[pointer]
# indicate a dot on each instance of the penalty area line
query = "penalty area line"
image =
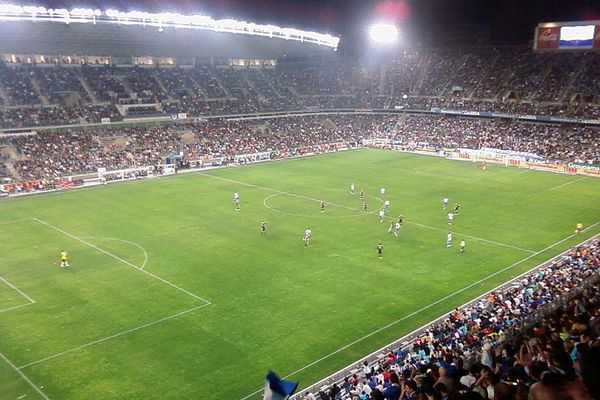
(116, 335)
(122, 260)
(25, 378)
(568, 183)
(378, 330)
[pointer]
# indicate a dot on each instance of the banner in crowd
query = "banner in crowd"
(526, 117)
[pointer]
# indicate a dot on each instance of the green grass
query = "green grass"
(274, 304)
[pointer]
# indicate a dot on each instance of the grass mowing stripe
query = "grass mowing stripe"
(424, 308)
(37, 389)
(568, 183)
(122, 260)
(137, 328)
(356, 209)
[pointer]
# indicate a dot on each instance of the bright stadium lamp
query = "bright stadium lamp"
(383, 33)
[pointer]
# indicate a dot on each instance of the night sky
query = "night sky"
(508, 22)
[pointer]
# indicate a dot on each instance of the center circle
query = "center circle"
(306, 204)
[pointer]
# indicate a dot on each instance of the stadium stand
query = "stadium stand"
(496, 80)
(537, 337)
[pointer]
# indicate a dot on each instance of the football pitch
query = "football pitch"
(173, 294)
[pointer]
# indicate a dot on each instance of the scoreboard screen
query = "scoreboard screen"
(567, 35)
(577, 36)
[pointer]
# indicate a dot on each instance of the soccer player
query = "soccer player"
(484, 165)
(381, 215)
(450, 218)
(263, 227)
(352, 188)
(386, 205)
(445, 202)
(322, 206)
(462, 246)
(364, 206)
(380, 250)
(64, 259)
(449, 240)
(382, 191)
(456, 208)
(362, 194)
(236, 201)
(401, 219)
(397, 227)
(391, 228)
(307, 235)
(579, 228)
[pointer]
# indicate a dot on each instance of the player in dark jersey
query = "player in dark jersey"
(401, 219)
(365, 206)
(362, 194)
(380, 250)
(456, 208)
(322, 206)
(263, 227)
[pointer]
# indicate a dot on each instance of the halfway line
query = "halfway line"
(370, 212)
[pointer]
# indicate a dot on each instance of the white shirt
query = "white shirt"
(307, 233)
(397, 226)
(382, 190)
(386, 203)
(352, 187)
(450, 216)
(445, 200)
(449, 237)
(236, 195)
(381, 213)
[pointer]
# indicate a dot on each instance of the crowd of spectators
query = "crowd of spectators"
(68, 153)
(514, 80)
(59, 154)
(553, 142)
(43, 116)
(508, 345)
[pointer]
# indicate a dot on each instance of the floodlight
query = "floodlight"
(383, 33)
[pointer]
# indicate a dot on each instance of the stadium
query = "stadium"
(312, 200)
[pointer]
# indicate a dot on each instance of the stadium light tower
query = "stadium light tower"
(383, 33)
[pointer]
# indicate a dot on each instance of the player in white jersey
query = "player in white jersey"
(236, 200)
(382, 191)
(352, 188)
(397, 228)
(386, 205)
(381, 215)
(450, 218)
(445, 203)
(307, 235)
(449, 240)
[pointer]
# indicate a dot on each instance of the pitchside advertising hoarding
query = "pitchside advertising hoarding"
(583, 35)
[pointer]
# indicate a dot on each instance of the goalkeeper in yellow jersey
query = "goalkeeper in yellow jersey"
(64, 259)
(578, 228)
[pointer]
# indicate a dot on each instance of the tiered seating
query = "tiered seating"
(56, 82)
(144, 85)
(104, 84)
(202, 75)
(17, 85)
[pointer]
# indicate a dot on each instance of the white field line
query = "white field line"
(15, 307)
(421, 310)
(37, 389)
(124, 241)
(137, 328)
(31, 301)
(122, 260)
(356, 209)
(568, 183)
(14, 221)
